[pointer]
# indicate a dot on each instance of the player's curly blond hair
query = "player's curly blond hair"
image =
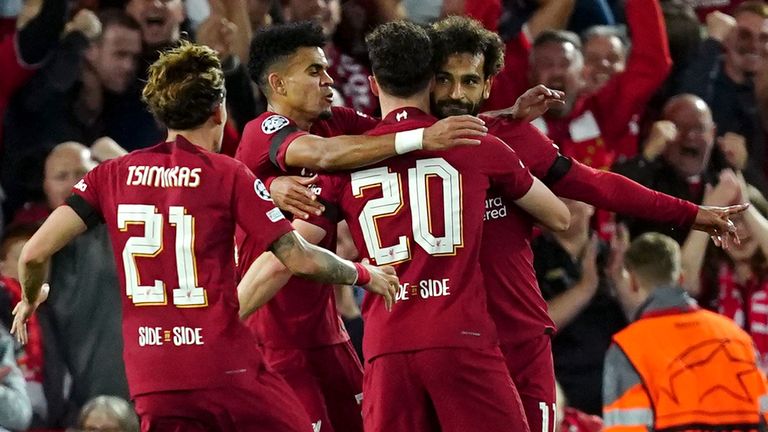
(184, 86)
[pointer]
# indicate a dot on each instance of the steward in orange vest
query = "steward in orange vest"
(677, 367)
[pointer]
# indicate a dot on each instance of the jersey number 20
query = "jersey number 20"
(391, 203)
(187, 294)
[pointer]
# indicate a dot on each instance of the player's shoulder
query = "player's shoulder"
(503, 127)
(266, 125)
(384, 128)
(349, 112)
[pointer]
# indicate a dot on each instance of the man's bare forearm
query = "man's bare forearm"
(339, 153)
(311, 262)
(32, 276)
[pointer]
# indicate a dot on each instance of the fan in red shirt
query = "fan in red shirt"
(467, 59)
(432, 363)
(595, 128)
(299, 329)
(171, 211)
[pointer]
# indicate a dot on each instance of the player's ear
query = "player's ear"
(374, 85)
(276, 84)
(487, 87)
(219, 114)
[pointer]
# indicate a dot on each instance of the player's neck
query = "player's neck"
(391, 103)
(297, 116)
(200, 137)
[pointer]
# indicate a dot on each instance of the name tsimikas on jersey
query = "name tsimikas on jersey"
(163, 177)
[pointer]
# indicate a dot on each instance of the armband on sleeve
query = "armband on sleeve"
(557, 170)
(87, 213)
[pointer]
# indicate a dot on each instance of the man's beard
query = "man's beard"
(449, 108)
(325, 115)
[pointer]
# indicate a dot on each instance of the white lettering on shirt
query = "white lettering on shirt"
(178, 336)
(81, 185)
(424, 289)
(163, 177)
(495, 208)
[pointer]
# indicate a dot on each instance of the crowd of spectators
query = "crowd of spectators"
(670, 93)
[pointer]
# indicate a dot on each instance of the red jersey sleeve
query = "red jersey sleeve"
(505, 169)
(254, 210)
(88, 187)
(267, 139)
(86, 199)
(614, 192)
(350, 122)
(328, 190)
(344, 121)
(535, 149)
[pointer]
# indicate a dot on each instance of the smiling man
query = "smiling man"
(160, 21)
(722, 75)
(679, 164)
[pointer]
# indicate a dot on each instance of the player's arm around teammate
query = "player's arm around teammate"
(543, 205)
(353, 151)
(299, 256)
(268, 274)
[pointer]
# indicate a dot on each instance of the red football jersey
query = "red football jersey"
(516, 305)
(171, 212)
(303, 314)
(423, 212)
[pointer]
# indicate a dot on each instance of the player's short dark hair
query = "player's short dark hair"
(184, 86)
(116, 17)
(655, 258)
(557, 36)
(401, 57)
(459, 34)
(274, 44)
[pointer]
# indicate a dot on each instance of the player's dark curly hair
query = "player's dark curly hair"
(459, 34)
(401, 57)
(273, 44)
(184, 86)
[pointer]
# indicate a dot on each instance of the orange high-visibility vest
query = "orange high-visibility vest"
(698, 372)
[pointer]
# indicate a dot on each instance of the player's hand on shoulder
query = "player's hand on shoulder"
(532, 104)
(454, 131)
(292, 194)
(384, 282)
